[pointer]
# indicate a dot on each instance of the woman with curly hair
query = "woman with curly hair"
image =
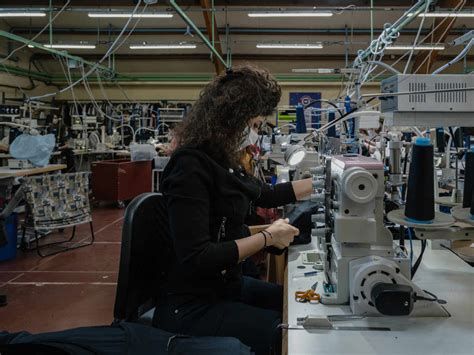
(208, 196)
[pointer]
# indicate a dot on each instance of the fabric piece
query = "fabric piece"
(36, 149)
(58, 200)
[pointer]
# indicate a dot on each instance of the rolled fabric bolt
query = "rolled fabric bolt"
(420, 206)
(468, 179)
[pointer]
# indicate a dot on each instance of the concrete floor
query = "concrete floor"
(67, 290)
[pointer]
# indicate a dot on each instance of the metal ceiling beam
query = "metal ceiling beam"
(212, 32)
(201, 35)
(249, 56)
(288, 3)
(424, 62)
(257, 31)
(63, 54)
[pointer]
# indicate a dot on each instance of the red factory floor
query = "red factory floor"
(67, 290)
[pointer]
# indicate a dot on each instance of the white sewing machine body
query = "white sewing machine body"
(362, 253)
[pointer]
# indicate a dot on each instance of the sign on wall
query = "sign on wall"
(312, 114)
(304, 98)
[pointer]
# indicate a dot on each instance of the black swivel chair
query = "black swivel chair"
(145, 255)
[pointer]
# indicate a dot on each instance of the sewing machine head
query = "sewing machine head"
(358, 190)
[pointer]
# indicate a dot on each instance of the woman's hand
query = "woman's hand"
(282, 233)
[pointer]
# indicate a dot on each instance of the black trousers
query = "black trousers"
(253, 320)
(121, 339)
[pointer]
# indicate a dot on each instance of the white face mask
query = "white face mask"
(250, 138)
(253, 136)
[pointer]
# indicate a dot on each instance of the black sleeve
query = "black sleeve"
(275, 196)
(187, 186)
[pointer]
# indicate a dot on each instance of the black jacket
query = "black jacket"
(207, 205)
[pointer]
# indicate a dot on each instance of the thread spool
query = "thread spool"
(468, 180)
(420, 194)
(440, 140)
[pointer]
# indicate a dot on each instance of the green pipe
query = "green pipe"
(25, 73)
(130, 78)
(64, 54)
(201, 35)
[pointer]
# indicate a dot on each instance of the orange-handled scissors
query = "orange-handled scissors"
(308, 295)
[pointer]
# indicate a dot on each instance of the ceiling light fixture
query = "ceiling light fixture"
(67, 46)
(417, 48)
(22, 14)
(447, 14)
(163, 46)
(290, 45)
(291, 14)
(128, 15)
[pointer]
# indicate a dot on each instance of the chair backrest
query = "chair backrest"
(145, 255)
(58, 200)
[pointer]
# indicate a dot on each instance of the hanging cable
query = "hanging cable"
(110, 51)
(415, 42)
(38, 34)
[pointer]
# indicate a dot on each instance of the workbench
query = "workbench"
(441, 272)
(6, 172)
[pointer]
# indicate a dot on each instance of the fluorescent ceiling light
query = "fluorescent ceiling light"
(447, 14)
(417, 48)
(128, 15)
(290, 45)
(163, 46)
(291, 14)
(67, 46)
(22, 14)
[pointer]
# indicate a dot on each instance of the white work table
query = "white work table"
(441, 273)
(7, 172)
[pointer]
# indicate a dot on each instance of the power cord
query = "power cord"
(418, 261)
(433, 299)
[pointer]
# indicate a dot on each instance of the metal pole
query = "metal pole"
(346, 44)
(371, 20)
(50, 22)
(213, 20)
(201, 35)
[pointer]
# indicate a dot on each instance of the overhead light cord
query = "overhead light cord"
(110, 51)
(38, 34)
(457, 8)
(349, 88)
(3, 60)
(416, 38)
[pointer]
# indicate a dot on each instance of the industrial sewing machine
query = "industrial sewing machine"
(361, 262)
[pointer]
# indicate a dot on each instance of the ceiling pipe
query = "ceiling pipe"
(63, 54)
(235, 30)
(201, 35)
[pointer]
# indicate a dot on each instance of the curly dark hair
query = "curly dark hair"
(224, 109)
